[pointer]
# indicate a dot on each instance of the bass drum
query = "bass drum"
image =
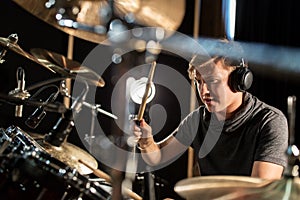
(28, 172)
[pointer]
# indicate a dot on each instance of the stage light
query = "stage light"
(137, 90)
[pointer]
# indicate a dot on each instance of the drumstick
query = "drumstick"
(97, 172)
(148, 86)
(107, 178)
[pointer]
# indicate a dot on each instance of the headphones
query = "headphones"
(241, 78)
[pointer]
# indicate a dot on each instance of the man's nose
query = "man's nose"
(204, 89)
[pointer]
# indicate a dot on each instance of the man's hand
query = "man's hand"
(143, 134)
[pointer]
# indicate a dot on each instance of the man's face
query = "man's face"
(212, 85)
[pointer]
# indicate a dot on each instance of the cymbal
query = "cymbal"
(154, 13)
(211, 187)
(9, 45)
(90, 22)
(286, 188)
(67, 67)
(70, 155)
(88, 19)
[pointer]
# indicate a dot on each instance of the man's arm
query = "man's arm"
(266, 170)
(271, 152)
(154, 153)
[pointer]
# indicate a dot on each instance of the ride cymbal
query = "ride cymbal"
(67, 67)
(212, 187)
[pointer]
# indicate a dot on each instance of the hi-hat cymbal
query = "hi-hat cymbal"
(67, 67)
(8, 45)
(212, 187)
(70, 155)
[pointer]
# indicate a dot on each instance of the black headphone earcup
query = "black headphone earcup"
(240, 79)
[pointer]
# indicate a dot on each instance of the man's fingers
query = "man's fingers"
(136, 128)
(137, 133)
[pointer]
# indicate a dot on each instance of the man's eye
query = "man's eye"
(212, 81)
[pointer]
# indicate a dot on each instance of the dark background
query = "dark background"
(271, 22)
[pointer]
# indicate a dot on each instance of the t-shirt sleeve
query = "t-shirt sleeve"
(273, 141)
(188, 128)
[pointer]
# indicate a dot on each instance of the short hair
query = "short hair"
(230, 53)
(226, 62)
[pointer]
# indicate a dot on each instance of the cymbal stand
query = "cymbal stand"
(96, 107)
(292, 150)
(65, 124)
(91, 137)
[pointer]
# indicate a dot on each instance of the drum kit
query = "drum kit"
(33, 166)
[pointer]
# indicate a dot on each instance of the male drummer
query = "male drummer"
(233, 133)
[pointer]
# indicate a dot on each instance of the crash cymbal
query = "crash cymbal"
(67, 67)
(86, 22)
(153, 13)
(212, 187)
(70, 155)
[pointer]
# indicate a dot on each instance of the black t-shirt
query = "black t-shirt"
(256, 132)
